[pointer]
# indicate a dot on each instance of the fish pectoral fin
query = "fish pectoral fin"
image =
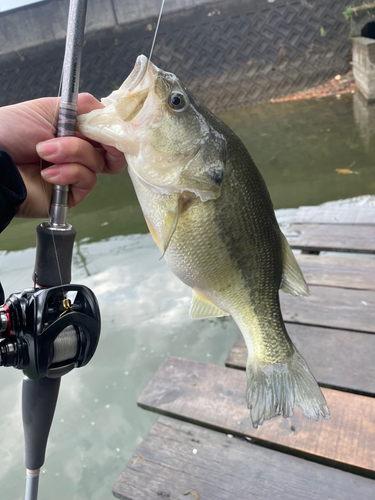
(201, 307)
(170, 223)
(169, 226)
(153, 234)
(292, 280)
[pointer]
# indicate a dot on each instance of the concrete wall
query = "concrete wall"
(230, 53)
(364, 66)
(360, 17)
(45, 22)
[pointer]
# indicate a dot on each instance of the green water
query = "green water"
(97, 426)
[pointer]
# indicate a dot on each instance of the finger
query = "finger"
(38, 193)
(114, 159)
(71, 150)
(86, 103)
(96, 144)
(47, 107)
(80, 179)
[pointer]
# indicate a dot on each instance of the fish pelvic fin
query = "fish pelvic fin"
(202, 307)
(278, 388)
(292, 280)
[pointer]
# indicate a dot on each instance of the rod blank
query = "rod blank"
(69, 95)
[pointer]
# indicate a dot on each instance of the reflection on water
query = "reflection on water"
(97, 424)
(298, 147)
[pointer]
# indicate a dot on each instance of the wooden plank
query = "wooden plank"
(332, 307)
(335, 215)
(344, 272)
(337, 358)
(332, 237)
(214, 396)
(165, 467)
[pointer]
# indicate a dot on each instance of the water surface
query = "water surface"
(297, 146)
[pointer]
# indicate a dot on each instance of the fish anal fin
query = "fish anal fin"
(292, 280)
(202, 307)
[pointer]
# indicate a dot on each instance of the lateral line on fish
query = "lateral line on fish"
(156, 32)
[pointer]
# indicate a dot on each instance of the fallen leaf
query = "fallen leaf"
(193, 493)
(140, 457)
(333, 87)
(346, 171)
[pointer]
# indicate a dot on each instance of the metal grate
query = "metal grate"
(233, 55)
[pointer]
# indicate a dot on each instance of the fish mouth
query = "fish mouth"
(111, 125)
(131, 96)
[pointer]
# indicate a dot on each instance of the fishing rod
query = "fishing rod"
(53, 327)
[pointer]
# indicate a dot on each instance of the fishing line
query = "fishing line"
(156, 31)
(54, 120)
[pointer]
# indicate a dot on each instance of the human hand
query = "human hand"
(27, 133)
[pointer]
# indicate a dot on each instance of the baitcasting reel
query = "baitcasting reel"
(46, 332)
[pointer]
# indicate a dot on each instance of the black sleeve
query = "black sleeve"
(12, 189)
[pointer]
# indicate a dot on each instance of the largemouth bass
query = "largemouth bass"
(209, 212)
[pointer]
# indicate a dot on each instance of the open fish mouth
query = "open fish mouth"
(130, 97)
(140, 69)
(113, 125)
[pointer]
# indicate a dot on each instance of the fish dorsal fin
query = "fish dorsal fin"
(201, 307)
(292, 280)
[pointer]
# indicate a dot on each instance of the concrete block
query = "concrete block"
(364, 66)
(364, 117)
(361, 16)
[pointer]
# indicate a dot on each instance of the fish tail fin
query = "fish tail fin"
(278, 388)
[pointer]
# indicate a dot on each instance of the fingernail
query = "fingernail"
(50, 172)
(47, 148)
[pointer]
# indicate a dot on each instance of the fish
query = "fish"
(208, 210)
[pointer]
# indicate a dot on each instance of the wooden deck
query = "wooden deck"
(204, 446)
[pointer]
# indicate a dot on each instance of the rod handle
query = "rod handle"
(39, 399)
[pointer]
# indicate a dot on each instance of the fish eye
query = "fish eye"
(178, 101)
